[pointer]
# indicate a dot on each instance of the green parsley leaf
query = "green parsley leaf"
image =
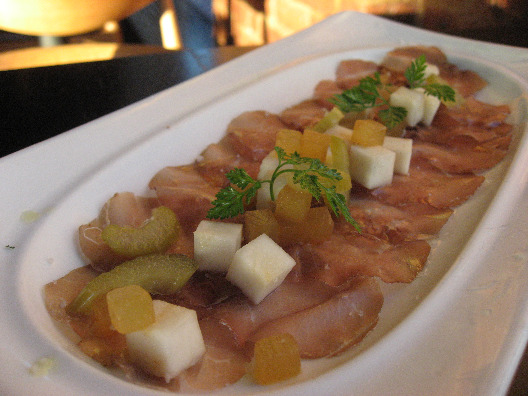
(367, 94)
(441, 91)
(415, 73)
(306, 171)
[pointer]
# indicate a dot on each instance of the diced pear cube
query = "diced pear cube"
(215, 244)
(267, 167)
(341, 132)
(412, 100)
(431, 70)
(170, 345)
(259, 267)
(371, 166)
(431, 105)
(403, 149)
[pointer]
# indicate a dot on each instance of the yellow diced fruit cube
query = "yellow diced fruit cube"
(292, 204)
(314, 144)
(258, 222)
(338, 158)
(276, 358)
(316, 227)
(130, 308)
(368, 133)
(289, 140)
(342, 186)
(100, 325)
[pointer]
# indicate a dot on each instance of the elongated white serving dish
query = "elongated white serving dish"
(460, 327)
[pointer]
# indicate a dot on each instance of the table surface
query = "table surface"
(39, 103)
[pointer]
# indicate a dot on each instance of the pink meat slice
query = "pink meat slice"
(252, 134)
(186, 192)
(124, 209)
(223, 363)
(343, 256)
(457, 160)
(473, 112)
(401, 58)
(325, 90)
(465, 82)
(303, 115)
(243, 318)
(330, 328)
(59, 293)
(425, 184)
(350, 71)
(218, 159)
(394, 223)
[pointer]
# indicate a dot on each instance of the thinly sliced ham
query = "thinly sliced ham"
(59, 293)
(457, 160)
(218, 159)
(343, 256)
(252, 134)
(223, 363)
(303, 115)
(394, 223)
(186, 192)
(425, 184)
(243, 317)
(401, 58)
(349, 72)
(325, 90)
(124, 209)
(330, 328)
(465, 82)
(473, 112)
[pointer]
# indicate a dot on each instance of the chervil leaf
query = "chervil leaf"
(392, 116)
(416, 72)
(442, 92)
(307, 172)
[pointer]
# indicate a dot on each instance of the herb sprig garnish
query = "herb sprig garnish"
(415, 75)
(305, 171)
(369, 94)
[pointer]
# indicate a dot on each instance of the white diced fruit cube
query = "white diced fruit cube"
(170, 345)
(431, 105)
(431, 70)
(267, 167)
(371, 166)
(403, 149)
(215, 244)
(341, 132)
(259, 267)
(412, 101)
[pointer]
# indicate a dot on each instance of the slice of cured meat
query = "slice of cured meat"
(303, 115)
(401, 58)
(341, 257)
(186, 192)
(425, 184)
(457, 160)
(124, 209)
(330, 328)
(325, 90)
(252, 134)
(349, 72)
(243, 317)
(395, 224)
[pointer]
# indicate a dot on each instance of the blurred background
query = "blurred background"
(212, 23)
